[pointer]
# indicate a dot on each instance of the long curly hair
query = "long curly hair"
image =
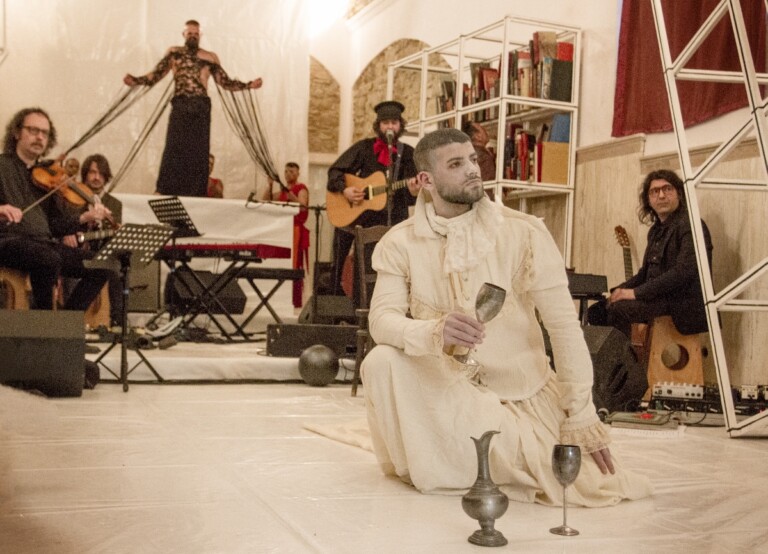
(13, 130)
(645, 213)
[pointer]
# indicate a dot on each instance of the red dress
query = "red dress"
(300, 241)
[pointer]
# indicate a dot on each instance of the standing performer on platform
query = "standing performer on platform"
(423, 404)
(184, 168)
(363, 159)
(28, 240)
(293, 191)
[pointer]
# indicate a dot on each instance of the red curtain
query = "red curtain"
(641, 104)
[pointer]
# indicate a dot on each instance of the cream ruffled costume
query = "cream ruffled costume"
(423, 408)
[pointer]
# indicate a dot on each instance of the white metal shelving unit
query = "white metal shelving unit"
(493, 43)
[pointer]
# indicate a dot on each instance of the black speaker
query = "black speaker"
(288, 340)
(43, 350)
(180, 297)
(328, 309)
(620, 380)
(144, 281)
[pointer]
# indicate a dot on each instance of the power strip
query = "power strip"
(678, 390)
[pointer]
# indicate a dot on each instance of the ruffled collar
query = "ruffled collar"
(470, 237)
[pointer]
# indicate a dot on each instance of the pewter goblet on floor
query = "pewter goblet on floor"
(488, 304)
(566, 462)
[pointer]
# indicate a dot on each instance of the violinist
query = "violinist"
(31, 225)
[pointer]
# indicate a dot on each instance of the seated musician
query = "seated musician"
(293, 191)
(96, 174)
(31, 225)
(215, 186)
(668, 281)
(364, 158)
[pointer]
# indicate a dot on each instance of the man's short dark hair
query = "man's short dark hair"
(645, 213)
(101, 163)
(17, 122)
(192, 22)
(422, 155)
(292, 164)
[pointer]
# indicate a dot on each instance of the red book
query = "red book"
(565, 51)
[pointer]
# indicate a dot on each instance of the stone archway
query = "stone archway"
(324, 109)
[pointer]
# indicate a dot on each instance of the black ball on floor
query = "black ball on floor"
(318, 365)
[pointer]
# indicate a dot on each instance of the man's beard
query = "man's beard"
(464, 196)
(192, 43)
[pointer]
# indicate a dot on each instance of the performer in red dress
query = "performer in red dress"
(294, 191)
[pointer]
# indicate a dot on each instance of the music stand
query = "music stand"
(132, 242)
(172, 212)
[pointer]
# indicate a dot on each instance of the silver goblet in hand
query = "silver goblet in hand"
(566, 462)
(488, 304)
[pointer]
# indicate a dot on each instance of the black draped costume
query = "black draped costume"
(184, 167)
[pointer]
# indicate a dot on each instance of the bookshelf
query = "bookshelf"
(519, 79)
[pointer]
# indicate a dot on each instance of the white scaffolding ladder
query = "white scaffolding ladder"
(697, 179)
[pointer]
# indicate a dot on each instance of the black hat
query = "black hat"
(389, 109)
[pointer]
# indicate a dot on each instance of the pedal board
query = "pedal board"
(678, 390)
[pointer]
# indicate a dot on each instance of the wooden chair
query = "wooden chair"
(364, 240)
(15, 288)
(673, 357)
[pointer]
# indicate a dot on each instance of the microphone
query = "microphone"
(390, 137)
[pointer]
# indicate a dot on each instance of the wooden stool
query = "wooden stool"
(672, 357)
(15, 288)
(98, 312)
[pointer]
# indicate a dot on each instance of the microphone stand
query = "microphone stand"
(315, 275)
(390, 178)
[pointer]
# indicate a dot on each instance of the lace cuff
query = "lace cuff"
(591, 438)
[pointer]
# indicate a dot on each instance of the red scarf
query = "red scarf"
(381, 150)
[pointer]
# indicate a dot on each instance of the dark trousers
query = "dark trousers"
(45, 262)
(624, 313)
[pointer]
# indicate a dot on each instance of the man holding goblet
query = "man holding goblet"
(423, 403)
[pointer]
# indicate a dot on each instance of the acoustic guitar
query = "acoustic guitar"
(639, 330)
(342, 213)
(623, 239)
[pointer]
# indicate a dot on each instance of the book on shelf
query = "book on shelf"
(547, 44)
(561, 80)
(564, 51)
(553, 162)
(560, 128)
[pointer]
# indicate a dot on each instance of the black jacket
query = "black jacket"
(669, 272)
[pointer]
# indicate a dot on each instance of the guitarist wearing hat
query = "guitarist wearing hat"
(357, 183)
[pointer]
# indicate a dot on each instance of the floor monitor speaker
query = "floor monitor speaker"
(43, 350)
(144, 282)
(328, 309)
(620, 380)
(181, 297)
(288, 340)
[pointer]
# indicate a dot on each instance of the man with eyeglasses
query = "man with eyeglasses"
(28, 231)
(668, 281)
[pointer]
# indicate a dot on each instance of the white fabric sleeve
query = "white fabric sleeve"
(388, 321)
(549, 290)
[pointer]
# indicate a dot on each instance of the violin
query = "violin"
(51, 176)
